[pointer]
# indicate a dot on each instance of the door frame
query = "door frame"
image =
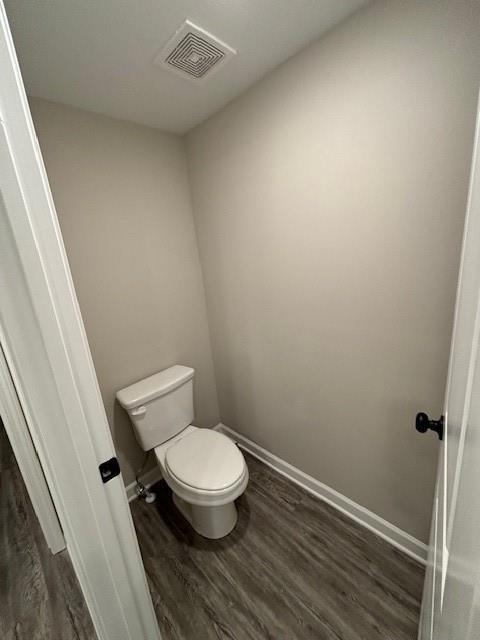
(21, 442)
(45, 346)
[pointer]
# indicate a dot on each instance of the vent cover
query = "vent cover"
(193, 53)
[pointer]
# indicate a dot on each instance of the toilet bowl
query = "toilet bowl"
(206, 472)
(204, 469)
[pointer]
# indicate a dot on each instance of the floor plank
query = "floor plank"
(40, 598)
(294, 568)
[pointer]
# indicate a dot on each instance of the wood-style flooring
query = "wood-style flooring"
(294, 568)
(40, 598)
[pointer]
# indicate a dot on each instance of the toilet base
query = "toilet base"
(210, 522)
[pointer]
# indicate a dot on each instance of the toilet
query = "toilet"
(204, 469)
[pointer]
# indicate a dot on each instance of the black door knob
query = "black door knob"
(423, 424)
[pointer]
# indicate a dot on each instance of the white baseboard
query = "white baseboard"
(389, 532)
(148, 478)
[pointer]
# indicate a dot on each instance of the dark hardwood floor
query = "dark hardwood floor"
(294, 568)
(40, 598)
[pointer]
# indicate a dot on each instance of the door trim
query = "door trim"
(27, 459)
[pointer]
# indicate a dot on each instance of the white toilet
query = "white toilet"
(204, 469)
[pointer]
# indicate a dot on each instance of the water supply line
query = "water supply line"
(140, 489)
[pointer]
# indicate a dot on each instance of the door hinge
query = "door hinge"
(109, 469)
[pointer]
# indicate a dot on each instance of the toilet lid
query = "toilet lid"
(205, 459)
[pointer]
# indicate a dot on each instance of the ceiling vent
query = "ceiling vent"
(193, 53)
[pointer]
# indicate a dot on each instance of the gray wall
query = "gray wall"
(329, 205)
(122, 197)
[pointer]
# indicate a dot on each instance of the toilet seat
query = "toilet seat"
(233, 486)
(205, 460)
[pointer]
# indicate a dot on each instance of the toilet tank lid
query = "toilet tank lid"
(154, 386)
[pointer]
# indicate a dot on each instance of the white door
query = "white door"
(451, 603)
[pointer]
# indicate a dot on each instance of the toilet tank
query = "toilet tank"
(159, 406)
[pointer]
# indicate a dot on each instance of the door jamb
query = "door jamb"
(27, 459)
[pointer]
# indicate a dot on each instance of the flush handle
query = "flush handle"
(139, 411)
(423, 424)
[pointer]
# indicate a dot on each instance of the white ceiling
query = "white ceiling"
(98, 54)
